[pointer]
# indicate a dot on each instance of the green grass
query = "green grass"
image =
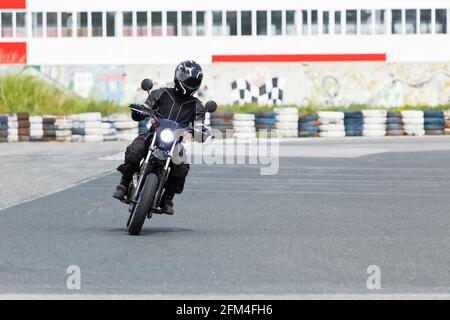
(20, 93)
(28, 94)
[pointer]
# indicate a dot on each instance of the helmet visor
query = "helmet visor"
(189, 81)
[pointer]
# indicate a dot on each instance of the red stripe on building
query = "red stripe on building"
(13, 53)
(301, 57)
(13, 4)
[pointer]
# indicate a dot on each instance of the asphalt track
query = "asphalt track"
(314, 228)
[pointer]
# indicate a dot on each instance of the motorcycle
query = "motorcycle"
(147, 186)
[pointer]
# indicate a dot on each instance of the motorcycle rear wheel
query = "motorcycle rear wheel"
(144, 204)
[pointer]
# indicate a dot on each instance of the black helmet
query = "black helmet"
(188, 77)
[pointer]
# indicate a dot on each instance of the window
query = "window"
(366, 21)
(52, 24)
(217, 23)
(325, 22)
(397, 22)
(337, 22)
(351, 17)
(66, 24)
(275, 25)
(425, 21)
(7, 25)
(380, 21)
(305, 22)
(261, 23)
(246, 23)
(110, 24)
(186, 23)
(201, 26)
(157, 24)
(314, 22)
(38, 31)
(441, 21)
(21, 24)
(141, 23)
(127, 24)
(97, 24)
(172, 23)
(291, 22)
(231, 23)
(82, 21)
(411, 21)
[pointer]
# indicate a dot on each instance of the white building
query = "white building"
(292, 41)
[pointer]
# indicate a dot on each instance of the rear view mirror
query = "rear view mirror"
(211, 106)
(147, 85)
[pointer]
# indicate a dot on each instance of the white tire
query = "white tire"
(286, 125)
(286, 111)
(415, 132)
(63, 133)
(13, 125)
(374, 133)
(332, 134)
(413, 127)
(120, 117)
(332, 121)
(36, 126)
(330, 115)
(126, 124)
(244, 129)
(93, 131)
(285, 133)
(244, 117)
(374, 127)
(93, 138)
(126, 136)
(110, 137)
(373, 120)
(89, 116)
(36, 133)
(412, 114)
(374, 113)
(413, 120)
(244, 135)
(332, 127)
(77, 138)
(243, 123)
(35, 119)
(13, 138)
(92, 124)
(286, 118)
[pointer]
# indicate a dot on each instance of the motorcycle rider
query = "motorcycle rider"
(179, 105)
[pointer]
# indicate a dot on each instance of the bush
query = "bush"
(28, 94)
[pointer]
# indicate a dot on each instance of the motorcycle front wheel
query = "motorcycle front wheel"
(144, 204)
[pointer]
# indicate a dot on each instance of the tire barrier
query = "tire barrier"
(286, 123)
(23, 121)
(264, 122)
(244, 126)
(221, 121)
(434, 123)
(87, 127)
(3, 128)
(413, 122)
(127, 129)
(447, 122)
(63, 128)
(36, 128)
(13, 128)
(394, 124)
(109, 131)
(331, 124)
(374, 123)
(353, 122)
(308, 125)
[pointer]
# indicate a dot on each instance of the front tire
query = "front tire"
(144, 204)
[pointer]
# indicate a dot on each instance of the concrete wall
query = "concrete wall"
(323, 84)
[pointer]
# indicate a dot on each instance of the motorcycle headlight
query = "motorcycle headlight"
(167, 136)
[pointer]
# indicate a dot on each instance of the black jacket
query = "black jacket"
(168, 103)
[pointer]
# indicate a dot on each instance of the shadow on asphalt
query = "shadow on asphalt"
(153, 231)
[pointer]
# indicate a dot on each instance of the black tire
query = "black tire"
(144, 205)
